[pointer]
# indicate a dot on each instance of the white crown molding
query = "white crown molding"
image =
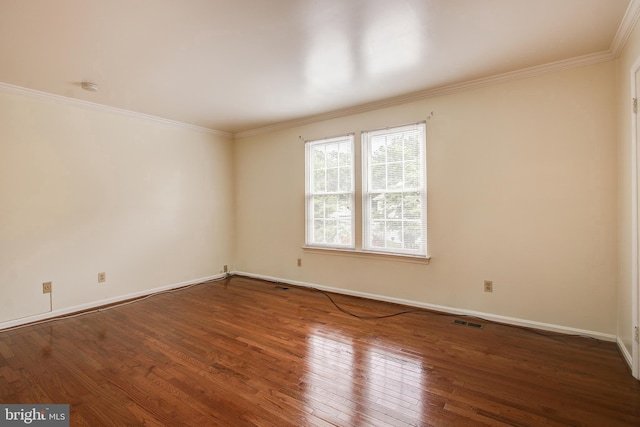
(626, 27)
(537, 70)
(627, 24)
(12, 89)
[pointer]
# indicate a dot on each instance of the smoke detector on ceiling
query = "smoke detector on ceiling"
(91, 87)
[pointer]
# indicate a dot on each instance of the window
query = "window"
(330, 192)
(393, 214)
(394, 196)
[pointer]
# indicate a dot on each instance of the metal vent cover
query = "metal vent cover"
(465, 323)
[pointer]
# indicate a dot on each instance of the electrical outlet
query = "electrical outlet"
(225, 269)
(299, 262)
(46, 287)
(488, 286)
(102, 277)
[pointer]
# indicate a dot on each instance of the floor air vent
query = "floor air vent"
(465, 323)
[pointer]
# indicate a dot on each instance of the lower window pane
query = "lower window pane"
(412, 235)
(318, 231)
(332, 220)
(377, 206)
(394, 205)
(331, 231)
(331, 204)
(344, 233)
(377, 234)
(344, 207)
(394, 234)
(411, 206)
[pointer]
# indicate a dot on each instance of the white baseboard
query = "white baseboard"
(108, 301)
(445, 309)
(625, 353)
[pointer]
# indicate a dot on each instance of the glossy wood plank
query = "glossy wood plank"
(245, 352)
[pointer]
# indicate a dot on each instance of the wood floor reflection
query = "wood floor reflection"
(248, 352)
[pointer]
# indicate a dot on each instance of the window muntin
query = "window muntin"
(394, 190)
(330, 192)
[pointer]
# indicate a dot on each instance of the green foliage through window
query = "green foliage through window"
(394, 190)
(330, 192)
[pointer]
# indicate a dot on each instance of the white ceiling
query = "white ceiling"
(238, 65)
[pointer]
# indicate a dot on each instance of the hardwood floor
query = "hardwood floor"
(247, 352)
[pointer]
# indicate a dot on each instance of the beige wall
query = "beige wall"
(84, 191)
(522, 191)
(624, 64)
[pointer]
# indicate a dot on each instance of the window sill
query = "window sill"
(366, 254)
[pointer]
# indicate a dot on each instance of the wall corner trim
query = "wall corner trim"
(625, 353)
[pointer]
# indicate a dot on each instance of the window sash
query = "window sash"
(394, 201)
(329, 207)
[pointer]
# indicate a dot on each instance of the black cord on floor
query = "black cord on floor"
(360, 316)
(555, 336)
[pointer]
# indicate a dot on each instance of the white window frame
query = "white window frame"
(421, 189)
(310, 195)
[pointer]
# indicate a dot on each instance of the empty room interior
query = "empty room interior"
(323, 213)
